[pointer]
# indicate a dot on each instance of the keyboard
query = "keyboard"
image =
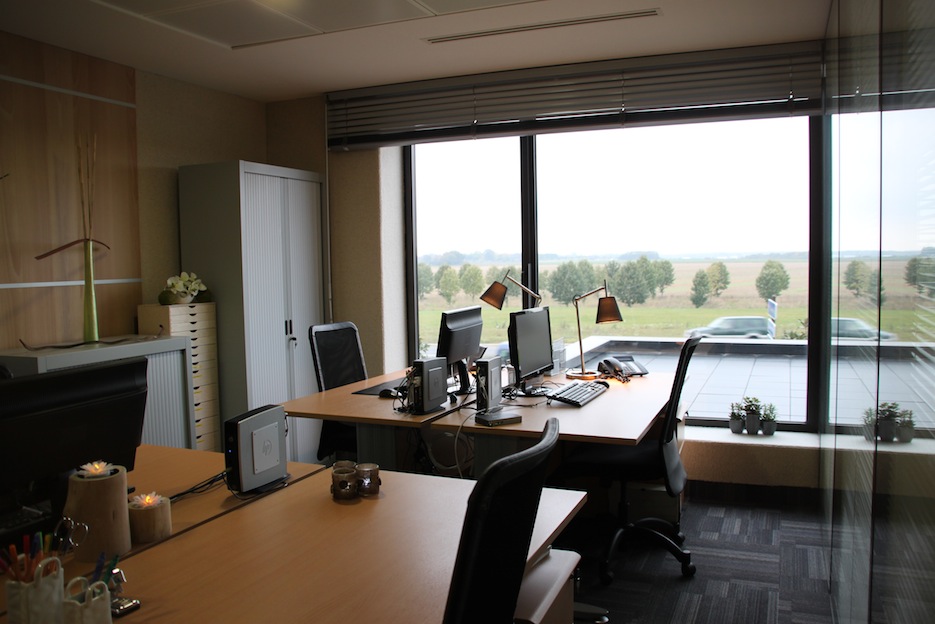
(578, 393)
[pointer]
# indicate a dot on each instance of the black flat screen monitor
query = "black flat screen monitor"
(530, 337)
(52, 423)
(459, 342)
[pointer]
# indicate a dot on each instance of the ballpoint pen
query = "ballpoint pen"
(98, 568)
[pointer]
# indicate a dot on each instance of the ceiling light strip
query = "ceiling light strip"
(509, 30)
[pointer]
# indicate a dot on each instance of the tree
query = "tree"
(448, 283)
(920, 272)
(665, 274)
(857, 278)
(701, 286)
(630, 284)
(772, 280)
(472, 280)
(718, 278)
(426, 281)
(645, 267)
(565, 283)
(875, 290)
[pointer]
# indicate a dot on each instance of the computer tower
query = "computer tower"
(428, 389)
(255, 449)
(489, 389)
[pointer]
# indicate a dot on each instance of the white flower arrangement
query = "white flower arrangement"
(144, 501)
(185, 284)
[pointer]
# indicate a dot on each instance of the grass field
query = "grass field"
(671, 314)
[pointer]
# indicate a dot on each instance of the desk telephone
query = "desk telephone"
(621, 366)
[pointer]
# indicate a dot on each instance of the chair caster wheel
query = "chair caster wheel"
(688, 570)
(679, 538)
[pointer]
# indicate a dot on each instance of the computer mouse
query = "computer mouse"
(388, 393)
(602, 382)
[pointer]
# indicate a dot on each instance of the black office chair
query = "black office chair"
(339, 360)
(654, 458)
(497, 532)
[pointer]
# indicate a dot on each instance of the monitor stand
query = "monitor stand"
(461, 373)
(533, 387)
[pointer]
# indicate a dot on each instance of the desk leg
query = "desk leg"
(489, 448)
(377, 444)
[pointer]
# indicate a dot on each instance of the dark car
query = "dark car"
(734, 326)
(856, 328)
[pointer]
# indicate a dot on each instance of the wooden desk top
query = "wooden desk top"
(622, 415)
(342, 404)
(299, 556)
(169, 471)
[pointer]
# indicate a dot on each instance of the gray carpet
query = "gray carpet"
(754, 565)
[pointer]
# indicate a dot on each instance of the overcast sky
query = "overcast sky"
(720, 188)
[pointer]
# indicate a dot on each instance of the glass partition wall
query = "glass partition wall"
(880, 484)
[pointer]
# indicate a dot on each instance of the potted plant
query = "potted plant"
(869, 424)
(906, 428)
(768, 419)
(181, 288)
(737, 415)
(887, 421)
(752, 412)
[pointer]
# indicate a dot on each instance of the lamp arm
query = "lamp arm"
(586, 295)
(532, 294)
(580, 340)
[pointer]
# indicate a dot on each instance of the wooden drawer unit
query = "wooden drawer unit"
(197, 322)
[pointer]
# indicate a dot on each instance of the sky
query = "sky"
(719, 187)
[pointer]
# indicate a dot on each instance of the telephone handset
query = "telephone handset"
(623, 367)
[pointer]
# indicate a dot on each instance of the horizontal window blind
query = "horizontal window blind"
(731, 83)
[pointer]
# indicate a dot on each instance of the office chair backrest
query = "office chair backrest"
(497, 532)
(337, 354)
(676, 477)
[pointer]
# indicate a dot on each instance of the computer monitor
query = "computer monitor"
(530, 338)
(52, 423)
(459, 341)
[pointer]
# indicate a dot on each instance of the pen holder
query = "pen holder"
(40, 600)
(150, 523)
(101, 503)
(86, 603)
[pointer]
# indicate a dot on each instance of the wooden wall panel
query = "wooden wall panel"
(40, 207)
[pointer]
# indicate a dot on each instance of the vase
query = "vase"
(90, 301)
(736, 425)
(887, 430)
(768, 427)
(753, 423)
(181, 299)
(905, 434)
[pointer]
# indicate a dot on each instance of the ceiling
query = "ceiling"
(271, 50)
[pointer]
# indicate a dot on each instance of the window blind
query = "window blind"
(731, 83)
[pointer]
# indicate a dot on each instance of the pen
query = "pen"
(26, 550)
(14, 565)
(47, 549)
(98, 568)
(108, 572)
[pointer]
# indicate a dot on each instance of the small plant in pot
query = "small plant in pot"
(887, 421)
(737, 415)
(752, 412)
(869, 424)
(906, 429)
(768, 419)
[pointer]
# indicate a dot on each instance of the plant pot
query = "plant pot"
(868, 432)
(887, 430)
(905, 434)
(753, 423)
(768, 427)
(736, 425)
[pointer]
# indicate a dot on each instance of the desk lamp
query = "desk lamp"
(496, 293)
(607, 312)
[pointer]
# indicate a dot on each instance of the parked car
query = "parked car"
(856, 328)
(734, 326)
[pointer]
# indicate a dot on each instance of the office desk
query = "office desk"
(299, 556)
(622, 415)
(375, 418)
(168, 471)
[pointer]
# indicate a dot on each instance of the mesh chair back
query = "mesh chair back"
(337, 354)
(676, 477)
(497, 532)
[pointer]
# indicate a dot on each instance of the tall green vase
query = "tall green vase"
(90, 301)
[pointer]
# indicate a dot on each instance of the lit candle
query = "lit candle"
(96, 469)
(150, 518)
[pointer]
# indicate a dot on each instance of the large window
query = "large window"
(692, 226)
